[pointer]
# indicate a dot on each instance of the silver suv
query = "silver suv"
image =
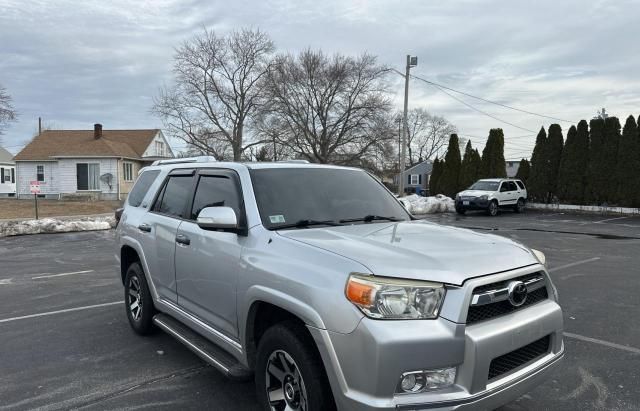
(315, 280)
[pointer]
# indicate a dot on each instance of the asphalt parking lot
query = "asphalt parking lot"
(66, 344)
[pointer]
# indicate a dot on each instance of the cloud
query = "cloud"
(76, 63)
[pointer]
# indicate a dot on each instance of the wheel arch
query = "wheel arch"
(268, 310)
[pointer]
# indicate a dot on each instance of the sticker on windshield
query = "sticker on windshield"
(275, 219)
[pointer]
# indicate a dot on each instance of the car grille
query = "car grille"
(517, 358)
(484, 312)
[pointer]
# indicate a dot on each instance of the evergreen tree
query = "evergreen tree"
(524, 170)
(493, 163)
(471, 163)
(568, 175)
(537, 185)
(628, 165)
(555, 143)
(434, 179)
(603, 152)
(449, 181)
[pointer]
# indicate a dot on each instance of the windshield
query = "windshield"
(485, 186)
(289, 195)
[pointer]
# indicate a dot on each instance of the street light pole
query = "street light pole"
(411, 62)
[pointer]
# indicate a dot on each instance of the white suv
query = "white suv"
(491, 194)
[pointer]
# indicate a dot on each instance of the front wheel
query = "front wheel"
(289, 372)
(492, 210)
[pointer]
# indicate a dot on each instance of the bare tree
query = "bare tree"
(7, 112)
(218, 87)
(329, 106)
(427, 135)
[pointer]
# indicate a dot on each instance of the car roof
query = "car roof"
(497, 180)
(210, 162)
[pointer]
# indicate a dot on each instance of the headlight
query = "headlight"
(540, 256)
(391, 298)
(484, 197)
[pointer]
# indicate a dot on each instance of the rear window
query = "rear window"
(141, 187)
(173, 197)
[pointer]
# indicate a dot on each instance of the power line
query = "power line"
(480, 111)
(490, 101)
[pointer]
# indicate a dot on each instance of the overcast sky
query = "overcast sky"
(75, 63)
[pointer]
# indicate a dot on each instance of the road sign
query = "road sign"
(35, 187)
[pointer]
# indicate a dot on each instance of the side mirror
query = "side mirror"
(217, 218)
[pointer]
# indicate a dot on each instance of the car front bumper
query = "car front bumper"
(473, 203)
(364, 367)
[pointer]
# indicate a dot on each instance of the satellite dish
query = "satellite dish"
(107, 178)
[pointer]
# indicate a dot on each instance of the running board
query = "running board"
(203, 348)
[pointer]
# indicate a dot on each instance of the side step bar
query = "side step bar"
(203, 348)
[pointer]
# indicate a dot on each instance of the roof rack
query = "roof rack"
(198, 159)
(294, 161)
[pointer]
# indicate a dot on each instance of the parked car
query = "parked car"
(492, 194)
(333, 297)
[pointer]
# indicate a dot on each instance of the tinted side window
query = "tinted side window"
(520, 184)
(512, 186)
(141, 187)
(215, 191)
(173, 197)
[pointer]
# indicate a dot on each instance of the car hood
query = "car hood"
(419, 250)
(474, 193)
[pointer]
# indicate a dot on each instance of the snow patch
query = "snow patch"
(428, 205)
(55, 225)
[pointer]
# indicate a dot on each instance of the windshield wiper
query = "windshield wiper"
(369, 218)
(307, 223)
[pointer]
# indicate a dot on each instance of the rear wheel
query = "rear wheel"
(492, 210)
(138, 302)
(519, 208)
(289, 372)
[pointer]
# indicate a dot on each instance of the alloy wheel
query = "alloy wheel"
(135, 298)
(285, 387)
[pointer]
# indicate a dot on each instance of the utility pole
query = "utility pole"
(411, 62)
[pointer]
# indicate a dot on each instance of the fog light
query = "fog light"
(420, 381)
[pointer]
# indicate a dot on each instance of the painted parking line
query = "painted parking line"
(61, 274)
(611, 219)
(66, 310)
(602, 342)
(562, 267)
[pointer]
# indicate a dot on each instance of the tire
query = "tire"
(288, 366)
(460, 210)
(519, 208)
(492, 210)
(138, 301)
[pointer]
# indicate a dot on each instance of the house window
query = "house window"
(415, 179)
(88, 176)
(160, 148)
(13, 176)
(40, 172)
(127, 171)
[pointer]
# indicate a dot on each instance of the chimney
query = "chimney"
(97, 131)
(39, 125)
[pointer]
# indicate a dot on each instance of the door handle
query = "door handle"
(144, 227)
(183, 239)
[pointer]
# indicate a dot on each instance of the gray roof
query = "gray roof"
(5, 156)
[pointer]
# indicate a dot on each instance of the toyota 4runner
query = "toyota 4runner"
(318, 283)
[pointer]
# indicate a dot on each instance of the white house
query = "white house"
(101, 164)
(7, 174)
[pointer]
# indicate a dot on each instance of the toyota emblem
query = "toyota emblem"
(517, 293)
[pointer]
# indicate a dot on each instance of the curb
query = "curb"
(585, 209)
